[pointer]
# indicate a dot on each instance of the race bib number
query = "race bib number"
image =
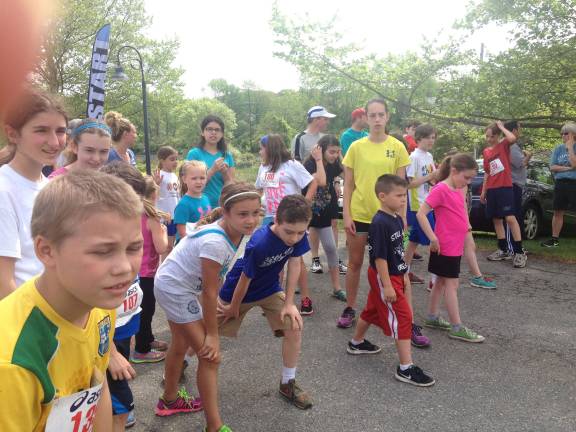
(74, 413)
(496, 166)
(271, 180)
(130, 305)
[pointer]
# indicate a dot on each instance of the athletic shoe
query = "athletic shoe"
(466, 335)
(415, 280)
(150, 357)
(347, 318)
(316, 266)
(158, 345)
(339, 294)
(418, 339)
(499, 255)
(130, 421)
(223, 428)
(417, 257)
(439, 324)
(550, 243)
(415, 376)
(295, 395)
(184, 403)
(363, 348)
(482, 282)
(306, 306)
(520, 260)
(430, 286)
(342, 268)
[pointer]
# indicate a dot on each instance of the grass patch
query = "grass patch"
(566, 252)
(247, 173)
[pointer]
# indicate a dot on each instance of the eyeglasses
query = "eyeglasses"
(215, 130)
(564, 133)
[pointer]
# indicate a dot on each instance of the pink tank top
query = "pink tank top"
(150, 258)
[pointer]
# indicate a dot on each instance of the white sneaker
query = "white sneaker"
(520, 260)
(499, 255)
(316, 267)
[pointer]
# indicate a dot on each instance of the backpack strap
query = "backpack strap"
(297, 146)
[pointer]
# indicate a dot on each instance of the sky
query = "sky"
(232, 39)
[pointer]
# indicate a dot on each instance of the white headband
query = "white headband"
(239, 194)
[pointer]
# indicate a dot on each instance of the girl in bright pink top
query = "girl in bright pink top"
(447, 242)
(147, 348)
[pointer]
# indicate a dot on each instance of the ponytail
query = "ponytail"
(211, 217)
(460, 162)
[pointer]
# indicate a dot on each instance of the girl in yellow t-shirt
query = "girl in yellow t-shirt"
(365, 161)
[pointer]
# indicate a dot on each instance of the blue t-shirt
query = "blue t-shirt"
(214, 186)
(191, 209)
(113, 156)
(348, 137)
(560, 157)
(263, 260)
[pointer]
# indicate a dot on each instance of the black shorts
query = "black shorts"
(362, 227)
(500, 203)
(444, 266)
(565, 195)
(122, 399)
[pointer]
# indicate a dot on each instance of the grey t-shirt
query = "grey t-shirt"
(519, 171)
(307, 143)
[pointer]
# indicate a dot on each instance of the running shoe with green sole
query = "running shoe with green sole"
(466, 335)
(439, 324)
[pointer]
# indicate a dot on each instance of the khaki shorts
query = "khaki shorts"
(271, 306)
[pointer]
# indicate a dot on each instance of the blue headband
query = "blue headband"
(264, 140)
(91, 125)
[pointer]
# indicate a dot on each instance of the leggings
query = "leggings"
(326, 236)
(145, 337)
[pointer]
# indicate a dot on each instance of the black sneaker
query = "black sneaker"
(550, 243)
(364, 348)
(417, 257)
(415, 376)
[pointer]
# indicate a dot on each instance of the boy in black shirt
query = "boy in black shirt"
(387, 306)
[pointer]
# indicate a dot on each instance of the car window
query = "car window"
(541, 173)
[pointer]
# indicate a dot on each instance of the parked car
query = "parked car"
(536, 203)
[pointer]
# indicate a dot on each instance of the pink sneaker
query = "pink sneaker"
(184, 403)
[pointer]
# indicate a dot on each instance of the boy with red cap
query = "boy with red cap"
(355, 131)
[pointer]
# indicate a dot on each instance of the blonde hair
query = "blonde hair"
(118, 123)
(68, 200)
(184, 170)
(232, 193)
(151, 189)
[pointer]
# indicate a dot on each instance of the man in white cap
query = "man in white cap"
(303, 143)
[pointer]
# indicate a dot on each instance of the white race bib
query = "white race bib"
(74, 413)
(130, 305)
(270, 179)
(496, 166)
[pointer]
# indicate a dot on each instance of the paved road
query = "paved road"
(523, 378)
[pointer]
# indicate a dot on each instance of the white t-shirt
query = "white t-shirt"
(181, 271)
(169, 192)
(421, 164)
(290, 178)
(17, 195)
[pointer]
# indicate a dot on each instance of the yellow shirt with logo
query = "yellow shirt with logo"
(369, 161)
(43, 357)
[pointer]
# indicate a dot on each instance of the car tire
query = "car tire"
(532, 222)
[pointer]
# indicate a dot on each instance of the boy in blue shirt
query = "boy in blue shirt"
(255, 281)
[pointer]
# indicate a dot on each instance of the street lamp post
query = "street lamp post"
(120, 75)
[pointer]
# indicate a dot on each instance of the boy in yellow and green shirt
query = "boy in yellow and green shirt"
(58, 327)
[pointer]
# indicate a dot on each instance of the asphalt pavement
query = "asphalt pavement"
(522, 378)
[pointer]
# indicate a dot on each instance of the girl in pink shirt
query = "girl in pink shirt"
(447, 242)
